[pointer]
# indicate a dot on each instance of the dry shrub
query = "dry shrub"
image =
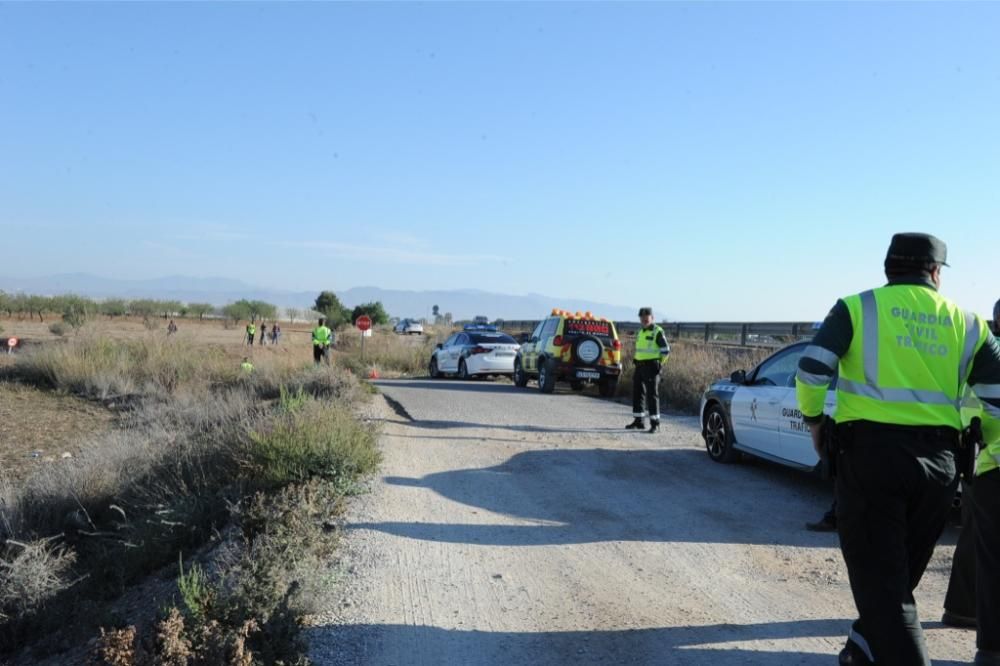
(31, 574)
(404, 354)
(117, 647)
(103, 368)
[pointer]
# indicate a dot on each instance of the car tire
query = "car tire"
(520, 376)
(719, 436)
(463, 370)
(433, 370)
(576, 386)
(607, 387)
(546, 376)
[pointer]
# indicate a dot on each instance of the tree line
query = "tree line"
(75, 310)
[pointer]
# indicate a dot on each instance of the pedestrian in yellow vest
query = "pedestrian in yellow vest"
(246, 366)
(905, 357)
(322, 338)
(651, 351)
(251, 332)
(986, 517)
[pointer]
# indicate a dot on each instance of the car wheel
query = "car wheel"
(719, 436)
(546, 376)
(576, 386)
(607, 387)
(520, 376)
(463, 370)
(433, 368)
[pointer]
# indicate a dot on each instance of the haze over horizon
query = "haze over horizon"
(740, 158)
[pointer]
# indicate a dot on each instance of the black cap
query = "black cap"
(645, 311)
(916, 249)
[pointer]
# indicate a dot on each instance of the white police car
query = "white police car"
(476, 350)
(757, 413)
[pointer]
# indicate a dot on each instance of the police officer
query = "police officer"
(251, 332)
(322, 338)
(651, 350)
(905, 355)
(986, 516)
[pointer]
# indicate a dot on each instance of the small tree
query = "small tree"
(199, 310)
(374, 310)
(237, 311)
(292, 314)
(113, 307)
(143, 307)
(436, 311)
(261, 310)
(169, 308)
(330, 306)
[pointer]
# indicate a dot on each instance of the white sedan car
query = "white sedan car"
(475, 351)
(409, 327)
(757, 413)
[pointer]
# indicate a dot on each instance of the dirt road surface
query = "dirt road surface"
(510, 527)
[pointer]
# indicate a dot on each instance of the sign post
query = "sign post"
(364, 323)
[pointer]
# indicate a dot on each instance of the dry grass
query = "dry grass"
(390, 354)
(37, 427)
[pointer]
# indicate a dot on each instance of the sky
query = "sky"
(730, 161)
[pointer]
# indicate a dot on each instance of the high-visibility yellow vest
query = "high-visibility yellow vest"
(646, 348)
(246, 366)
(321, 336)
(251, 329)
(909, 358)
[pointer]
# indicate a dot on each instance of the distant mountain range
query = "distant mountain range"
(462, 303)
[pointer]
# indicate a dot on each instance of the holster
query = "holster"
(829, 447)
(969, 445)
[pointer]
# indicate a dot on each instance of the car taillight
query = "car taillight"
(557, 341)
(480, 350)
(616, 344)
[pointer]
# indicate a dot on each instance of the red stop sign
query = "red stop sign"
(364, 322)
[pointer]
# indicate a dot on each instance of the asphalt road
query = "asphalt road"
(511, 527)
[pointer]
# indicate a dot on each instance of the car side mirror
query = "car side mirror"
(439, 346)
(738, 377)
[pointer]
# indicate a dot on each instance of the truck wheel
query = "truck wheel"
(520, 376)
(546, 376)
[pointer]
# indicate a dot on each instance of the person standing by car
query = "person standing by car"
(651, 350)
(986, 518)
(322, 338)
(905, 355)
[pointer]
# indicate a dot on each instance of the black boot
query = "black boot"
(654, 426)
(637, 424)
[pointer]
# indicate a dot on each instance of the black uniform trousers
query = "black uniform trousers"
(646, 389)
(987, 509)
(961, 596)
(894, 490)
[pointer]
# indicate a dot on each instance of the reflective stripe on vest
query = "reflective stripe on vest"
(934, 334)
(646, 348)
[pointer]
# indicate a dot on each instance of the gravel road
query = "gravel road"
(511, 527)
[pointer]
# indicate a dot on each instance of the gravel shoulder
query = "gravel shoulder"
(509, 526)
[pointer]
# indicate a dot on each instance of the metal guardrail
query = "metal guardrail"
(744, 334)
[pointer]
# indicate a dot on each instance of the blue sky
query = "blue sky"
(732, 161)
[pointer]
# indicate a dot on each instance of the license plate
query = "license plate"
(588, 374)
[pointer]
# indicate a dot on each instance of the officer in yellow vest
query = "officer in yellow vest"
(251, 332)
(322, 338)
(905, 355)
(986, 511)
(246, 366)
(651, 351)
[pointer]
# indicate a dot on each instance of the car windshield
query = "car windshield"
(492, 338)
